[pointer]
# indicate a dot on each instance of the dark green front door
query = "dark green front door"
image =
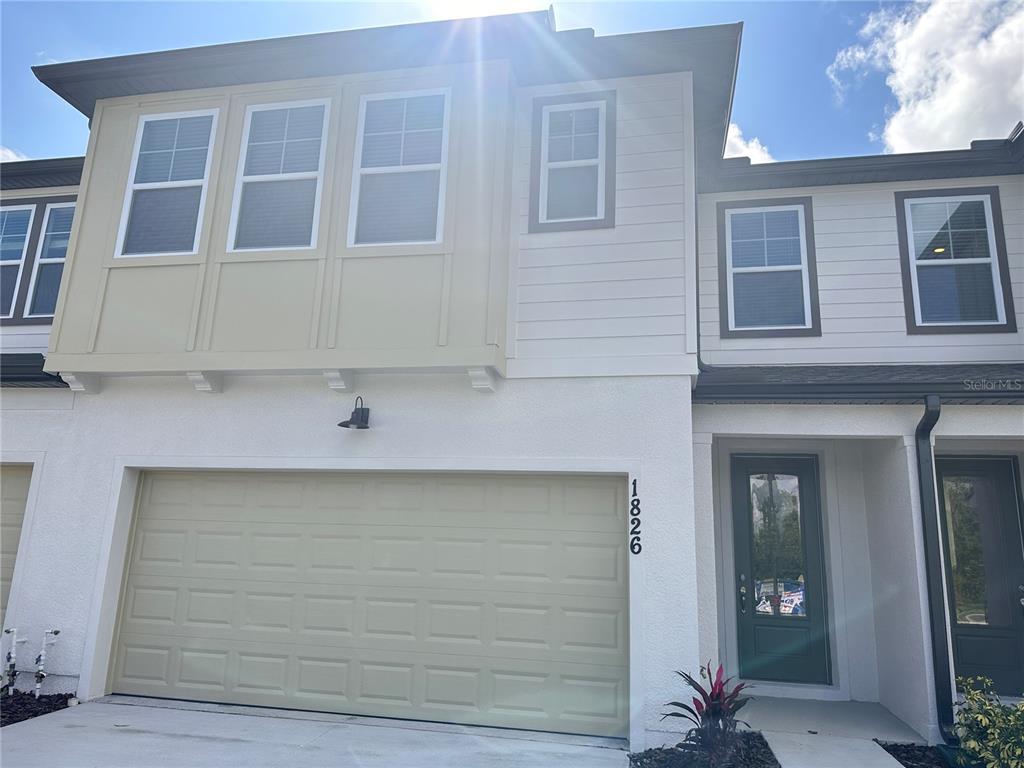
(780, 598)
(985, 567)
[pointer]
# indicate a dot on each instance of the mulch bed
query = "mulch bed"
(24, 706)
(752, 751)
(915, 756)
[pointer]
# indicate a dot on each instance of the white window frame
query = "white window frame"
(131, 187)
(24, 252)
(41, 260)
(993, 260)
(358, 171)
(803, 267)
(600, 161)
(241, 179)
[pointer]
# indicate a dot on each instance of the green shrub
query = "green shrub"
(991, 733)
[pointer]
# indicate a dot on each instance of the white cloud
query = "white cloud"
(8, 155)
(955, 68)
(738, 146)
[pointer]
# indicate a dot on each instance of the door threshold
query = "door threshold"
(601, 742)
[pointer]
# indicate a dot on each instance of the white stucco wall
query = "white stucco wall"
(81, 443)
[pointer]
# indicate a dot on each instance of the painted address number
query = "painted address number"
(634, 522)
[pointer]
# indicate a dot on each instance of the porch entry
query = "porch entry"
(984, 549)
(780, 581)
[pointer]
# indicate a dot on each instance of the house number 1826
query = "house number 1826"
(634, 522)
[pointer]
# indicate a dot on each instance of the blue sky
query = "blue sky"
(784, 97)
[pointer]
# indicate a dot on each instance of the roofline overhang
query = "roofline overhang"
(48, 172)
(538, 55)
(985, 157)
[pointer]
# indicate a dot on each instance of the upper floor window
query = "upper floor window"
(573, 175)
(767, 278)
(953, 253)
(15, 226)
(49, 265)
(167, 185)
(400, 169)
(277, 196)
(34, 234)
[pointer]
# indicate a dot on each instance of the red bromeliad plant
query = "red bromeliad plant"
(713, 712)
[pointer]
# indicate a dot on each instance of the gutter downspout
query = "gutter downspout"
(933, 566)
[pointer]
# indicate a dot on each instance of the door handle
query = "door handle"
(743, 597)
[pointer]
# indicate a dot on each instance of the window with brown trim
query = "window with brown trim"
(953, 261)
(572, 179)
(767, 279)
(34, 235)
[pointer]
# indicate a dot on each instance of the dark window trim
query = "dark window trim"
(608, 221)
(724, 331)
(21, 290)
(913, 328)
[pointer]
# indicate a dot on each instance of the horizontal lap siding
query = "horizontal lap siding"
(860, 284)
(608, 293)
(26, 339)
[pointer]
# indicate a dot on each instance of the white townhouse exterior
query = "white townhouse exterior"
(631, 406)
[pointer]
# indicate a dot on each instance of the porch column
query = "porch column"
(707, 550)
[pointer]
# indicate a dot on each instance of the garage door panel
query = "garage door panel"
(14, 484)
(455, 558)
(463, 689)
(590, 503)
(489, 599)
(522, 625)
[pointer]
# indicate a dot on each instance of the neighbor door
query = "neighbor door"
(985, 567)
(780, 586)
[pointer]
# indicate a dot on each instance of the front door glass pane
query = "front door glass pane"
(972, 522)
(779, 569)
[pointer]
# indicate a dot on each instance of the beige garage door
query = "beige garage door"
(488, 599)
(14, 479)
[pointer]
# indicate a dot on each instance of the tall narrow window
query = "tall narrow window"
(49, 266)
(767, 275)
(277, 196)
(573, 163)
(954, 262)
(400, 169)
(15, 225)
(167, 186)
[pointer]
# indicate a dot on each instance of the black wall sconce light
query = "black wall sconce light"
(360, 418)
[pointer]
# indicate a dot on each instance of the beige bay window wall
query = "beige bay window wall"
(323, 297)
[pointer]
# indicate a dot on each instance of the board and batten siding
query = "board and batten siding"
(609, 301)
(412, 305)
(860, 286)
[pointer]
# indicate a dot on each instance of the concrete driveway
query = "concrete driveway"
(144, 733)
